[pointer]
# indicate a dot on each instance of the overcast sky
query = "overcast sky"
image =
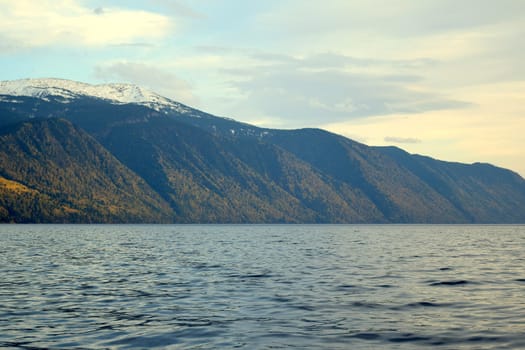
(442, 78)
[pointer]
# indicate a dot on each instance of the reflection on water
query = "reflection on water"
(262, 287)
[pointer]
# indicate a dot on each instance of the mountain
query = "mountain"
(157, 160)
(67, 91)
(53, 172)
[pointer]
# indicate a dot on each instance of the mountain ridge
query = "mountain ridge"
(199, 168)
(121, 93)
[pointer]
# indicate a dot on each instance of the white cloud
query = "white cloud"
(178, 8)
(395, 18)
(327, 88)
(27, 24)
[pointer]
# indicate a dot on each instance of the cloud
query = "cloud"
(279, 89)
(98, 11)
(473, 40)
(398, 18)
(7, 46)
(179, 9)
(394, 139)
(159, 80)
(29, 24)
(327, 88)
(490, 131)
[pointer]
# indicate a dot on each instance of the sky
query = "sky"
(442, 78)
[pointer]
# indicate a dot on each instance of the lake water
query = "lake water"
(262, 287)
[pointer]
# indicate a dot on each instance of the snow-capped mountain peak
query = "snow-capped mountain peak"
(118, 93)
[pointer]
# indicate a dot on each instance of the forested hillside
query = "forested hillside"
(52, 172)
(67, 155)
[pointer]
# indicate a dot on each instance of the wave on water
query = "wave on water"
(261, 287)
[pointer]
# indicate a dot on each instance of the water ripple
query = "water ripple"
(261, 287)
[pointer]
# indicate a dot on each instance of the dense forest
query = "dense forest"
(53, 172)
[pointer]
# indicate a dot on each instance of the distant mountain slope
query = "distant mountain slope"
(196, 167)
(481, 192)
(208, 178)
(398, 195)
(52, 172)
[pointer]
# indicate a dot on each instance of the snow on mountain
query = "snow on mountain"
(68, 90)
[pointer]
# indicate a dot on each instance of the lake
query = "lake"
(262, 287)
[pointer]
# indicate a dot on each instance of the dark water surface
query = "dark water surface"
(262, 287)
